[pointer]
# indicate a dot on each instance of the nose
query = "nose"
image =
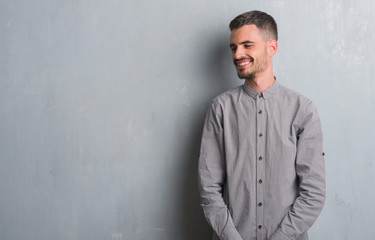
(238, 53)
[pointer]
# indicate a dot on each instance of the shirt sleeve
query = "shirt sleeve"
(311, 172)
(211, 173)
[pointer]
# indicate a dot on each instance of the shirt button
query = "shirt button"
(260, 204)
(260, 181)
(260, 111)
(260, 158)
(260, 226)
(260, 135)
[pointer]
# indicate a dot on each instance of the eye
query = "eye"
(248, 46)
(233, 49)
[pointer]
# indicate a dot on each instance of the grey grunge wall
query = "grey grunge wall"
(102, 105)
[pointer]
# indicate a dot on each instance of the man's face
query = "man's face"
(249, 51)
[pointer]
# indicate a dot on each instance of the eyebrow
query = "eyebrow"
(244, 42)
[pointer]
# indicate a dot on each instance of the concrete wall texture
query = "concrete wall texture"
(102, 105)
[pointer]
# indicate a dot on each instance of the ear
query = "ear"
(272, 47)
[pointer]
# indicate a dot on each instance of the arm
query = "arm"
(311, 172)
(211, 172)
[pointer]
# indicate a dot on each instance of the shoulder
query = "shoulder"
(225, 101)
(292, 96)
(304, 107)
(228, 96)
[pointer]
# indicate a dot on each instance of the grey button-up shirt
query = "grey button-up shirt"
(261, 165)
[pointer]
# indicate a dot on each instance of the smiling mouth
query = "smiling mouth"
(242, 63)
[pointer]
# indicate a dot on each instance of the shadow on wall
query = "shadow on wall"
(214, 81)
(219, 73)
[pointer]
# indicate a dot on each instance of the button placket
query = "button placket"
(261, 114)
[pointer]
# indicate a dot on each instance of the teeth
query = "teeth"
(241, 64)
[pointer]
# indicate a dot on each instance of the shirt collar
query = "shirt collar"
(265, 94)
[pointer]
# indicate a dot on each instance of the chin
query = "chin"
(245, 75)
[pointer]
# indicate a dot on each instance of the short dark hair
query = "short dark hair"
(264, 22)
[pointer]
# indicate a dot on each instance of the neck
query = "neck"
(261, 81)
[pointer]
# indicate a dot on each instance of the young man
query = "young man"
(261, 164)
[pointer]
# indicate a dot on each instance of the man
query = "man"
(261, 164)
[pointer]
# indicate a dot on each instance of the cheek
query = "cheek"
(251, 52)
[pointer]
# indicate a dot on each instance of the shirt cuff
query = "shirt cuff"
(279, 235)
(230, 233)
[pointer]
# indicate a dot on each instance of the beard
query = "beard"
(258, 67)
